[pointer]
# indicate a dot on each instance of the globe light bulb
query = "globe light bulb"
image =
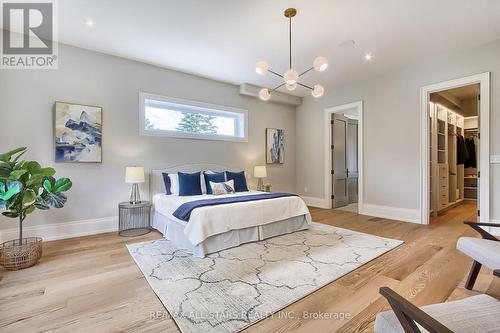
(291, 76)
(264, 94)
(317, 91)
(320, 64)
(261, 67)
(291, 87)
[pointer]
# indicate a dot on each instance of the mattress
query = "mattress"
(209, 221)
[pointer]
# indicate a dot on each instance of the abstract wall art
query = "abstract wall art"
(275, 146)
(77, 132)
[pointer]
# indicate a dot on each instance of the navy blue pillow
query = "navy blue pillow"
(240, 182)
(189, 183)
(213, 177)
(167, 182)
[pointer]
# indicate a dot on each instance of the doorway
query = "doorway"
(344, 149)
(455, 146)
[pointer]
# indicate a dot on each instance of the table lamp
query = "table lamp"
(260, 172)
(134, 175)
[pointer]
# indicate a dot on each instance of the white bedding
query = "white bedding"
(212, 220)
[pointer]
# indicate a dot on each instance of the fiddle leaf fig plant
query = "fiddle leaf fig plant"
(26, 186)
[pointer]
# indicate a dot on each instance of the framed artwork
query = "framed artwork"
(275, 146)
(77, 133)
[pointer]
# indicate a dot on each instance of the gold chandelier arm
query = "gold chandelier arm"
(305, 86)
(306, 71)
(281, 85)
(273, 72)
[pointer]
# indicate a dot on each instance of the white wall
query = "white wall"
(26, 105)
(391, 127)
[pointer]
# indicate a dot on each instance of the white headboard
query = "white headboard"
(156, 184)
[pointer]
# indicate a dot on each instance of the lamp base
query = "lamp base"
(135, 195)
(260, 185)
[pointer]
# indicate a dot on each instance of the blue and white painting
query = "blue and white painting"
(275, 146)
(78, 133)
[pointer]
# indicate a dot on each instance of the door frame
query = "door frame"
(484, 150)
(328, 155)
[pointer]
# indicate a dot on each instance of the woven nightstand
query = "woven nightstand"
(134, 219)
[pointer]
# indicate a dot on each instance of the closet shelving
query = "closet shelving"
(446, 176)
(470, 174)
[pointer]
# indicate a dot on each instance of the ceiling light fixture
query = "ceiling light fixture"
(291, 76)
(368, 56)
(89, 23)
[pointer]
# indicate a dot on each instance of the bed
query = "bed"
(214, 228)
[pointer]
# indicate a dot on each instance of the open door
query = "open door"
(352, 160)
(339, 132)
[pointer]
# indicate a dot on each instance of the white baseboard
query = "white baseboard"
(316, 202)
(393, 213)
(63, 230)
(494, 231)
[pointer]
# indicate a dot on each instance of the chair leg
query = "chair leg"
(474, 271)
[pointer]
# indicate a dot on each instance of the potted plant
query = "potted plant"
(24, 187)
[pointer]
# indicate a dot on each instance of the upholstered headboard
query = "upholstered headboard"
(156, 184)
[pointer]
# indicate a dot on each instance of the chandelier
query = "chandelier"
(291, 76)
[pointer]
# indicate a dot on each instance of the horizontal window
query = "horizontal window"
(172, 117)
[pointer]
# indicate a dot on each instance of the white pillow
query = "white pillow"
(222, 188)
(174, 183)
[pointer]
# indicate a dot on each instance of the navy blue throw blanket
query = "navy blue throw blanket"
(184, 211)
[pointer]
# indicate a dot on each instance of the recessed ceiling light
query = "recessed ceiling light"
(89, 23)
(368, 56)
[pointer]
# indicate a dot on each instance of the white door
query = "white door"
(339, 172)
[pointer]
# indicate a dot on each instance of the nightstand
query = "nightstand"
(134, 219)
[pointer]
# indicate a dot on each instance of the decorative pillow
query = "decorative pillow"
(213, 177)
(240, 181)
(189, 183)
(222, 188)
(174, 183)
(167, 182)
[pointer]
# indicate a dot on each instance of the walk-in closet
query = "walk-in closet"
(454, 148)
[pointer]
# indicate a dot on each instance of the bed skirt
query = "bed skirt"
(174, 231)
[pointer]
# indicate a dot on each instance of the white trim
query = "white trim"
(484, 150)
(317, 202)
(328, 157)
(64, 230)
(195, 104)
(393, 213)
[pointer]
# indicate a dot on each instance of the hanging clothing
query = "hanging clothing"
(471, 161)
(462, 152)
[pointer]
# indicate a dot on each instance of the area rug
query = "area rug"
(229, 290)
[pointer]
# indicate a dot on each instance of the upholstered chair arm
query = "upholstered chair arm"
(408, 314)
(486, 235)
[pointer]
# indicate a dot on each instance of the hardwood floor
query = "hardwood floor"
(91, 284)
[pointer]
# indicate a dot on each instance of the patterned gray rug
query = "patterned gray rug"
(231, 289)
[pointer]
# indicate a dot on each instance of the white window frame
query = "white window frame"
(202, 108)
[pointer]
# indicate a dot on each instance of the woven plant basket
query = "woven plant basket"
(15, 256)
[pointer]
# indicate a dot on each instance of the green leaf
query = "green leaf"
(32, 166)
(47, 184)
(29, 198)
(62, 185)
(29, 210)
(10, 214)
(10, 189)
(35, 181)
(8, 155)
(16, 174)
(47, 172)
(56, 200)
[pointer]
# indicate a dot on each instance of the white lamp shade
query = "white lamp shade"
(291, 76)
(261, 67)
(264, 94)
(134, 175)
(320, 64)
(260, 171)
(318, 91)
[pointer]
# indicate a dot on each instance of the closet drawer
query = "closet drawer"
(443, 168)
(443, 190)
(443, 182)
(442, 205)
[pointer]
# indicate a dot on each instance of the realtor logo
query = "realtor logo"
(29, 35)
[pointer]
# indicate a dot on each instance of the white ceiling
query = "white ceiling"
(222, 39)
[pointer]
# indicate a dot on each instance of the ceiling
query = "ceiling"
(465, 92)
(222, 39)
